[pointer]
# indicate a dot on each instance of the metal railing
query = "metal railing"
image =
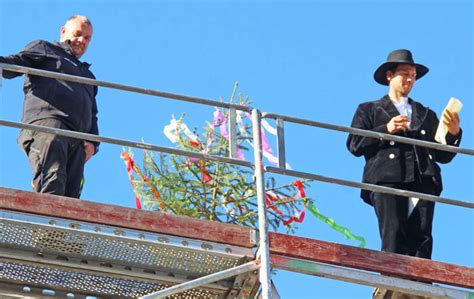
(260, 169)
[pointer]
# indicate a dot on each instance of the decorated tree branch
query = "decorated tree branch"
(213, 190)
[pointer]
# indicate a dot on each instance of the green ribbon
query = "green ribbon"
(343, 230)
(83, 181)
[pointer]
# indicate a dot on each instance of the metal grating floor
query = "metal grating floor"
(86, 283)
(89, 259)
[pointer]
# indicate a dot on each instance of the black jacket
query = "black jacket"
(72, 103)
(389, 162)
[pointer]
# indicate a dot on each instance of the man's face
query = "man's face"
(402, 79)
(80, 35)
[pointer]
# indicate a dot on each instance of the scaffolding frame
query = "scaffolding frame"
(266, 253)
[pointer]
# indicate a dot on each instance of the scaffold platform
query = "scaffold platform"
(56, 255)
(54, 246)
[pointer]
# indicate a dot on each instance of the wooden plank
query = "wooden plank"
(390, 264)
(151, 221)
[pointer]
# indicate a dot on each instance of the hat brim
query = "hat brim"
(380, 73)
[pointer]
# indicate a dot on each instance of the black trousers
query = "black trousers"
(57, 162)
(400, 233)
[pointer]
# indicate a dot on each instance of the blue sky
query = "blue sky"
(309, 59)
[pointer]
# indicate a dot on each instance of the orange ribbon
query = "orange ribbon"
(130, 164)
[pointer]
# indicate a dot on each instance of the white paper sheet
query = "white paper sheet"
(454, 105)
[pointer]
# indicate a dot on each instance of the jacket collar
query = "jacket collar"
(66, 46)
(389, 107)
(418, 116)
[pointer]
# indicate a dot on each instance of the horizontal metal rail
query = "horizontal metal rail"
(365, 278)
(145, 146)
(355, 131)
(370, 187)
(298, 174)
(162, 94)
(366, 133)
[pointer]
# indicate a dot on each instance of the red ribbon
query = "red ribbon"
(130, 164)
(297, 219)
(193, 142)
(205, 173)
(301, 194)
(300, 187)
(269, 197)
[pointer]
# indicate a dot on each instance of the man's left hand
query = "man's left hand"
(89, 149)
(451, 120)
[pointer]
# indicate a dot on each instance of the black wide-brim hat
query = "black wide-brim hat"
(401, 56)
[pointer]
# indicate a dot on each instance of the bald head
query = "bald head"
(78, 30)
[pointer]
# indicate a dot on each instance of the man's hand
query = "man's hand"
(89, 149)
(451, 120)
(397, 124)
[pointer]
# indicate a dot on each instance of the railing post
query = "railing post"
(281, 142)
(232, 133)
(264, 273)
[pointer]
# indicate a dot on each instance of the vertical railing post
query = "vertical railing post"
(232, 133)
(264, 273)
(281, 142)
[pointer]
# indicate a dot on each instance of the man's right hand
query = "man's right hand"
(397, 124)
(89, 150)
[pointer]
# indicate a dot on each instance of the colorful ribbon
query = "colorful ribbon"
(200, 164)
(175, 127)
(266, 149)
(205, 173)
(130, 164)
(298, 215)
(221, 122)
(345, 231)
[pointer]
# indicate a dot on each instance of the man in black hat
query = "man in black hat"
(404, 223)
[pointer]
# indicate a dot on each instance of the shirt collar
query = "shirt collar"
(403, 102)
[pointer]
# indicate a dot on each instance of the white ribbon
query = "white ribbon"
(175, 127)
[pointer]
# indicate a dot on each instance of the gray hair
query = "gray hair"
(82, 18)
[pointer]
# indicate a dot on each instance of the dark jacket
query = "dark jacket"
(389, 162)
(72, 103)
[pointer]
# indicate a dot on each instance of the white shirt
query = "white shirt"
(403, 107)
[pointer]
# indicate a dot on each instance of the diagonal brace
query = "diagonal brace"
(247, 267)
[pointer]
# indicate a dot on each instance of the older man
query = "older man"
(58, 162)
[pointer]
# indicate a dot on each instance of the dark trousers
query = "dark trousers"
(400, 233)
(57, 162)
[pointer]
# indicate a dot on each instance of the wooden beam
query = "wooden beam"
(151, 221)
(390, 264)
